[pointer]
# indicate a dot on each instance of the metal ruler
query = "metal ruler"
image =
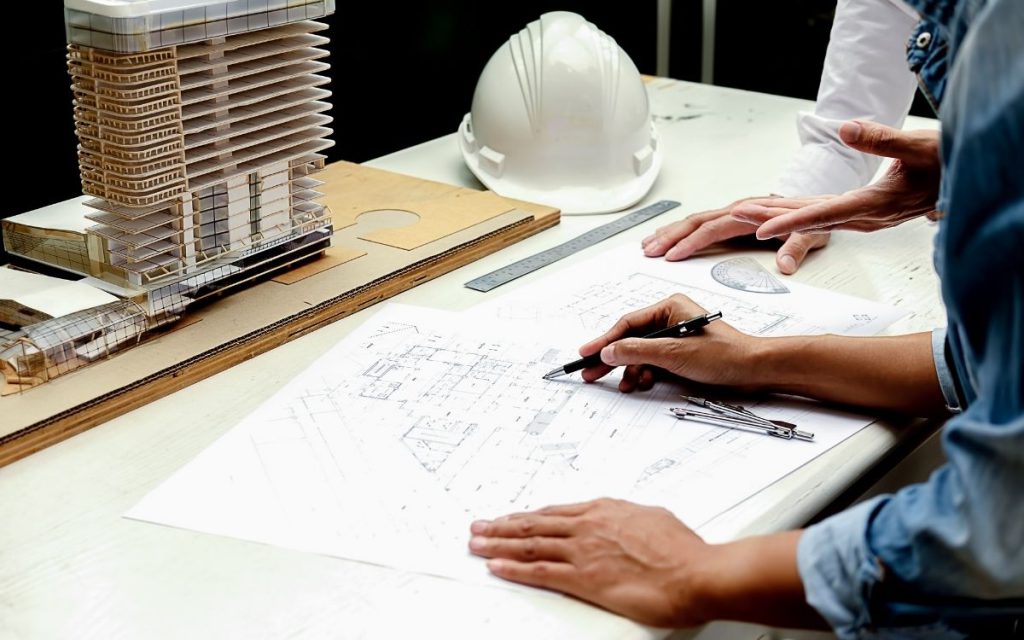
(518, 269)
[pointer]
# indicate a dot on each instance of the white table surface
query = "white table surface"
(71, 566)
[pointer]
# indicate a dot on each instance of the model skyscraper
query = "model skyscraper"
(200, 128)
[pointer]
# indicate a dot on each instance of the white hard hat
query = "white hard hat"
(560, 116)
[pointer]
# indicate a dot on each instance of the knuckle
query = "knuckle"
(591, 573)
(627, 347)
(879, 137)
(530, 550)
(590, 545)
(676, 228)
(719, 223)
(799, 244)
(526, 526)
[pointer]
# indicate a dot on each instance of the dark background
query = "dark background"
(405, 74)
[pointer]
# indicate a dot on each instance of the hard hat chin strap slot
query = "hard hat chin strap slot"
(491, 161)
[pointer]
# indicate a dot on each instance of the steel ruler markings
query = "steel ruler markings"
(518, 269)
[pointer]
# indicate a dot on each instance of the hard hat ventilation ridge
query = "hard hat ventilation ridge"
(527, 51)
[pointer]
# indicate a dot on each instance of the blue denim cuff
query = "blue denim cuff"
(839, 570)
(944, 372)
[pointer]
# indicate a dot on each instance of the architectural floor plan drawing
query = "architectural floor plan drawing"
(387, 447)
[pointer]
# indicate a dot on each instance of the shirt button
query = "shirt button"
(923, 40)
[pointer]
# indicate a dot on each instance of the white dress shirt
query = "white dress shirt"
(865, 77)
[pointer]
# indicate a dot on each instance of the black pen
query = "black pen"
(675, 331)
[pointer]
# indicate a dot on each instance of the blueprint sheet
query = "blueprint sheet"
(387, 447)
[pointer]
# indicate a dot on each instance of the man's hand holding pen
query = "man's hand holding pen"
(643, 342)
(720, 356)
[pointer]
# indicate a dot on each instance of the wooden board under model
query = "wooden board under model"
(235, 328)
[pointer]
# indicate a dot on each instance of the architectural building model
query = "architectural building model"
(201, 126)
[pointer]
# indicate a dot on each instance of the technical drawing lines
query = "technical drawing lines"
(596, 307)
(432, 440)
(386, 448)
(389, 328)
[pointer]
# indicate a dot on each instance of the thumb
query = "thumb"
(792, 253)
(880, 140)
(635, 351)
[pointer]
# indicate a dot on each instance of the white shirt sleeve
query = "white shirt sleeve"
(865, 77)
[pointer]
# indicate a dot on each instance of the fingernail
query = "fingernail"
(787, 264)
(480, 526)
(476, 543)
(644, 242)
(851, 131)
(760, 234)
(495, 565)
(608, 354)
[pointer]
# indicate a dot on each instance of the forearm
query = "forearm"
(892, 373)
(757, 580)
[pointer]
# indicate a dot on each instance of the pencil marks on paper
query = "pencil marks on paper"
(587, 299)
(433, 440)
(596, 307)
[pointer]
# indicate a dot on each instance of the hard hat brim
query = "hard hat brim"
(569, 200)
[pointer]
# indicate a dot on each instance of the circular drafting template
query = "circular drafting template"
(746, 274)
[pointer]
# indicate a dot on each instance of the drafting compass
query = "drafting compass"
(734, 416)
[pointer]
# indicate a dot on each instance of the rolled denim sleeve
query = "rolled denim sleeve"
(838, 568)
(945, 372)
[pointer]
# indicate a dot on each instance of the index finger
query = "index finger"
(632, 324)
(784, 203)
(826, 215)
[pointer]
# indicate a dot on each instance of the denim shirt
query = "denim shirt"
(945, 559)
(927, 52)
